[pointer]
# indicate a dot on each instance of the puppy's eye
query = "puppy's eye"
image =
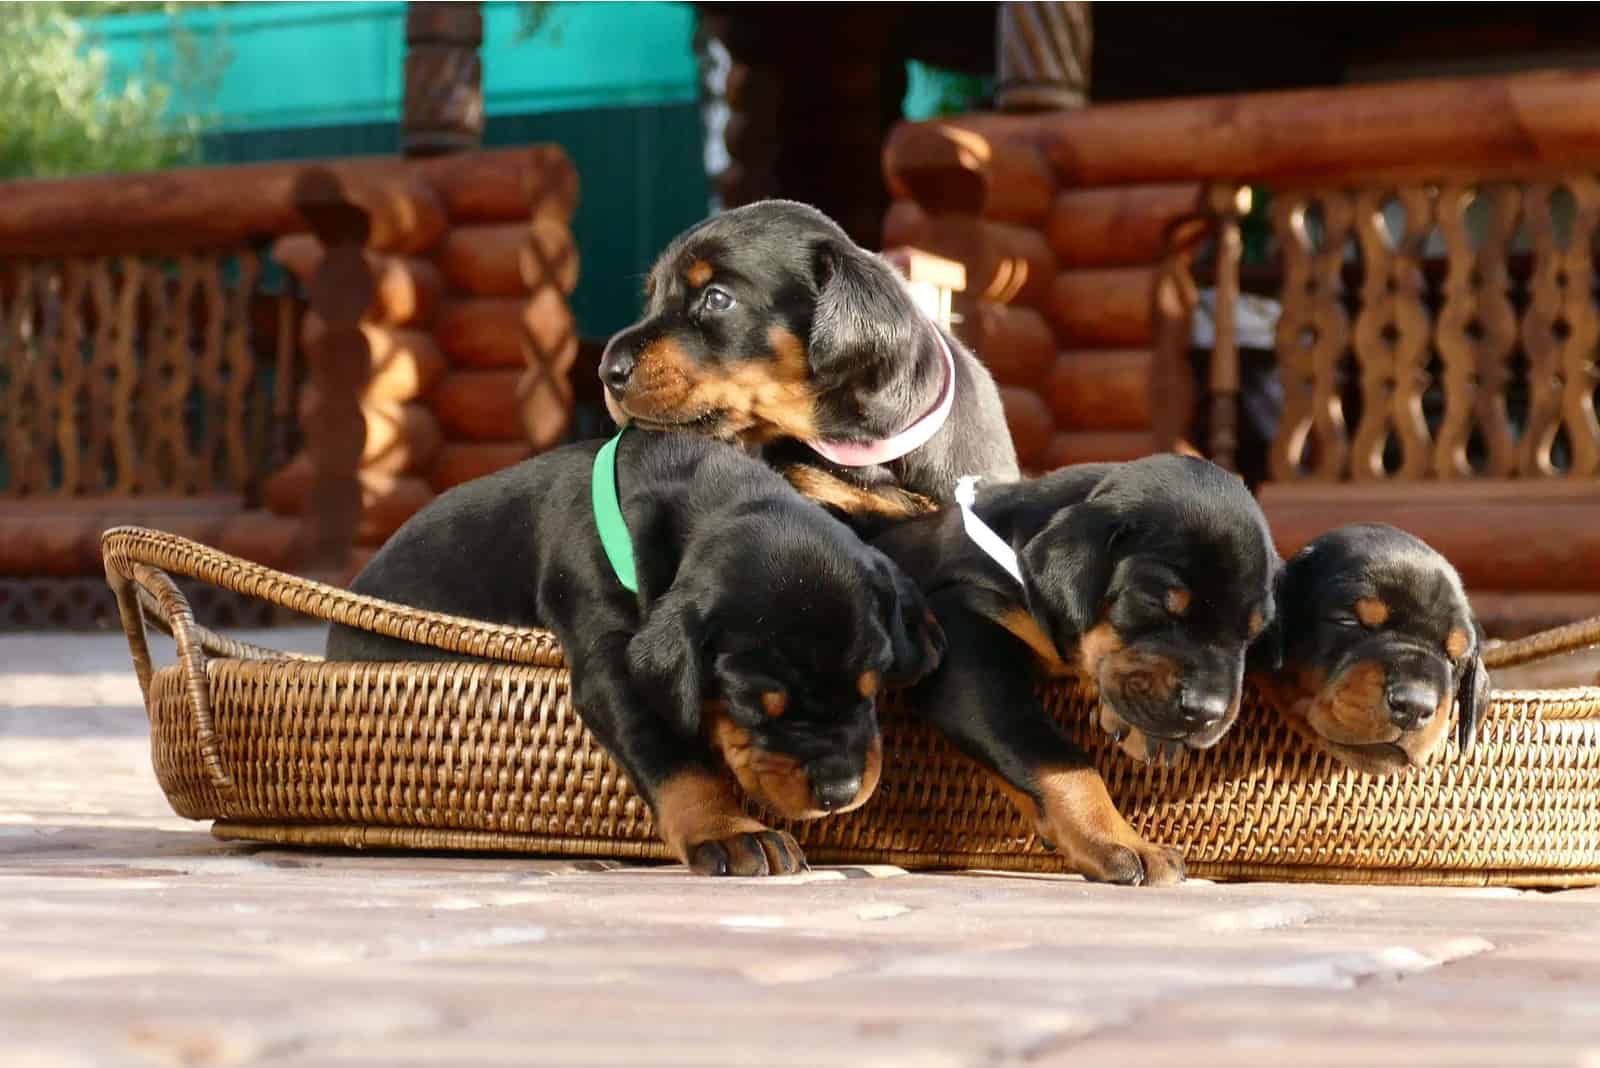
(1344, 621)
(717, 299)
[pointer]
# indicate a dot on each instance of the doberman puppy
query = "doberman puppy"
(768, 326)
(1151, 578)
(761, 631)
(1378, 642)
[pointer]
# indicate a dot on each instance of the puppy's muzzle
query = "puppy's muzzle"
(617, 365)
(1411, 704)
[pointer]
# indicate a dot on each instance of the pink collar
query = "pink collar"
(868, 453)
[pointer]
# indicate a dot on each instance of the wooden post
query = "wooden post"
(1228, 203)
(443, 109)
(1043, 60)
(340, 361)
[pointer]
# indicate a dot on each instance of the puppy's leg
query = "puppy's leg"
(983, 698)
(696, 810)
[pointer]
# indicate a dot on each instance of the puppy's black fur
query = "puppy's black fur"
(1151, 577)
(761, 631)
(767, 325)
(1378, 641)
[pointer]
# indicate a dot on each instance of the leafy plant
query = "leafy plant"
(65, 113)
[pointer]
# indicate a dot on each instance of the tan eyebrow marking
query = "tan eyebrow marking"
(1178, 600)
(1372, 612)
(1456, 644)
(698, 273)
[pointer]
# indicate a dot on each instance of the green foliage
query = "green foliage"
(61, 110)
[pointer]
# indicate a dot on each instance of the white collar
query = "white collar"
(981, 533)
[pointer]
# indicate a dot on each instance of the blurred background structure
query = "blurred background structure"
(272, 275)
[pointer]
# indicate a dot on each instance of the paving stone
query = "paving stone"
(130, 936)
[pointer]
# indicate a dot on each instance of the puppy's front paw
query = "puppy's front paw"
(1077, 816)
(750, 853)
(1125, 861)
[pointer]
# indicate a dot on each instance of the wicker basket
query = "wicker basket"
(490, 756)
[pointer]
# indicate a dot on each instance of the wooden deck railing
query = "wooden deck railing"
(1432, 252)
(284, 360)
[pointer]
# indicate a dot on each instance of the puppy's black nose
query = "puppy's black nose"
(1202, 710)
(616, 367)
(836, 793)
(1410, 705)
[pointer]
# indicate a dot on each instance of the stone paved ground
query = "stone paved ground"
(129, 936)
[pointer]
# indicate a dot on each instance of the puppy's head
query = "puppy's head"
(767, 322)
(1379, 641)
(1158, 582)
(774, 645)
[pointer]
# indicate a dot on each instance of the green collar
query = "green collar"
(614, 538)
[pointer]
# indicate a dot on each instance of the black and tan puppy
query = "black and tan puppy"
(761, 631)
(1378, 642)
(1150, 577)
(768, 326)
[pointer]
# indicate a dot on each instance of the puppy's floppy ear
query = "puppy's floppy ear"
(864, 313)
(1266, 652)
(1472, 701)
(1066, 570)
(665, 659)
(915, 637)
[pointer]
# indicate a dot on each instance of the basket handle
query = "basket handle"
(125, 547)
(1545, 644)
(132, 580)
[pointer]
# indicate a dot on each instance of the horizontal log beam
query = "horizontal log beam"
(946, 169)
(408, 287)
(1005, 263)
(487, 332)
(1118, 227)
(1101, 389)
(479, 406)
(1514, 535)
(1538, 121)
(1031, 424)
(67, 543)
(1014, 342)
(1104, 308)
(457, 463)
(509, 259)
(201, 208)
(1095, 446)
(404, 363)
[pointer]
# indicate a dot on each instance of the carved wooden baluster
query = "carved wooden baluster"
(100, 374)
(1476, 332)
(340, 361)
(238, 358)
(168, 373)
(1559, 327)
(1312, 334)
(1578, 367)
(24, 451)
(202, 299)
(125, 376)
(1391, 337)
(71, 390)
(1227, 203)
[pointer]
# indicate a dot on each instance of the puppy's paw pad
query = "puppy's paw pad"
(750, 854)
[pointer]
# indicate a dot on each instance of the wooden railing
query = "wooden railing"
(284, 361)
(1431, 249)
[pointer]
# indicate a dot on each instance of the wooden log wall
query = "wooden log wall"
(468, 335)
(1060, 280)
(1063, 222)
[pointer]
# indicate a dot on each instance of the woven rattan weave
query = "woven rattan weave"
(491, 756)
